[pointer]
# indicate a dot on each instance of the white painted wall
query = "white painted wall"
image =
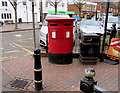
(60, 8)
(25, 11)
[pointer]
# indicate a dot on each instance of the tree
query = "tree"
(79, 4)
(14, 5)
(119, 8)
(54, 4)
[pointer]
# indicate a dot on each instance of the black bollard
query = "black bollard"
(86, 85)
(89, 85)
(37, 70)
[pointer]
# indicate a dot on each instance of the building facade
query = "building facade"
(88, 9)
(24, 10)
(62, 6)
(101, 8)
(6, 11)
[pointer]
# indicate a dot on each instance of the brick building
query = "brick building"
(90, 8)
(87, 10)
(101, 7)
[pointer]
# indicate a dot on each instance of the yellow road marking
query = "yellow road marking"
(21, 40)
(24, 48)
(28, 46)
(28, 54)
(6, 58)
(11, 57)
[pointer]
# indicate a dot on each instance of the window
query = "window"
(46, 4)
(6, 16)
(35, 3)
(63, 4)
(10, 16)
(4, 3)
(2, 16)
(24, 3)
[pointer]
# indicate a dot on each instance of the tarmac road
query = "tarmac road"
(17, 44)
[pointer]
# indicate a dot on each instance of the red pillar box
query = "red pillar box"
(60, 40)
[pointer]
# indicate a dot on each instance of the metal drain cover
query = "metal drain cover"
(19, 83)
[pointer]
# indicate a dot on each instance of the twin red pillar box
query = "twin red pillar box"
(60, 40)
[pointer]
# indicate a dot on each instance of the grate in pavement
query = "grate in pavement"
(19, 83)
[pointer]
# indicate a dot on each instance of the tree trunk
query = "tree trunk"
(16, 26)
(119, 8)
(79, 14)
(55, 8)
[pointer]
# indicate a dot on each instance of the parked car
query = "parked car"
(90, 26)
(111, 20)
(43, 35)
(1, 23)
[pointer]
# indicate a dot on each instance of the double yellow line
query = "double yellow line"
(11, 57)
(24, 48)
(6, 58)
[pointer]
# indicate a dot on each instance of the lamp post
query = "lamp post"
(33, 19)
(104, 36)
(37, 58)
(41, 14)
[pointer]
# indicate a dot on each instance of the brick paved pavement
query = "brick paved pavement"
(61, 77)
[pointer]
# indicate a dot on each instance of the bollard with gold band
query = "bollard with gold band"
(37, 70)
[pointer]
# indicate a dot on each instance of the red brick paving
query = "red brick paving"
(62, 77)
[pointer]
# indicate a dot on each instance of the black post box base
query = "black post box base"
(60, 58)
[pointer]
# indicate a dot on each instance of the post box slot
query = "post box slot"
(67, 24)
(53, 24)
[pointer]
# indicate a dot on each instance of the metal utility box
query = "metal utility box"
(89, 48)
(60, 40)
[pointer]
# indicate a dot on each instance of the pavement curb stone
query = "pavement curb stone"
(16, 30)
